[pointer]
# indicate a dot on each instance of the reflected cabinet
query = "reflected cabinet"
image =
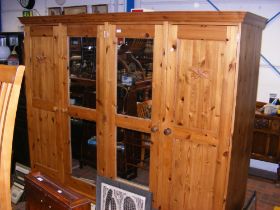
(163, 101)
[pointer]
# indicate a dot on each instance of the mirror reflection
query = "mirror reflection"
(134, 77)
(133, 156)
(82, 68)
(83, 149)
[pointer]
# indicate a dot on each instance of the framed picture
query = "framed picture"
(75, 10)
(54, 11)
(100, 8)
(113, 194)
(13, 40)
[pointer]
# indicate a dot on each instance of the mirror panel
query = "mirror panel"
(83, 149)
(82, 71)
(133, 156)
(134, 77)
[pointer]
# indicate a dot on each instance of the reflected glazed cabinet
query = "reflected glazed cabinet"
(204, 84)
(266, 138)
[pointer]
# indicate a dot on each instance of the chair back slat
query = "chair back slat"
(7, 73)
(4, 100)
(10, 84)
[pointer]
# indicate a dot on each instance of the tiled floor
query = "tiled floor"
(268, 193)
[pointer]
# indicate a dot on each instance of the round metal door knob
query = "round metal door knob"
(167, 131)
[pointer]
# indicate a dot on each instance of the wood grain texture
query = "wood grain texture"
(159, 77)
(227, 117)
(202, 32)
(164, 183)
(133, 123)
(9, 94)
(179, 16)
(107, 78)
(60, 63)
(43, 98)
(82, 113)
(135, 31)
(100, 93)
(82, 30)
(200, 72)
(41, 31)
(248, 65)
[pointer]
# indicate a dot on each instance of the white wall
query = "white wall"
(11, 9)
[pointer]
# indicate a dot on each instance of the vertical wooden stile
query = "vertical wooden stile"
(159, 78)
(227, 118)
(100, 66)
(28, 91)
(246, 93)
(106, 99)
(60, 34)
(110, 98)
(165, 157)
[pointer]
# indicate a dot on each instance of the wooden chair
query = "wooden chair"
(144, 111)
(10, 84)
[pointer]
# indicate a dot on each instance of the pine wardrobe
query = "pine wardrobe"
(162, 100)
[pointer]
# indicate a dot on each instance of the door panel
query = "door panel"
(192, 143)
(199, 85)
(43, 69)
(44, 148)
(193, 169)
(134, 99)
(43, 99)
(79, 111)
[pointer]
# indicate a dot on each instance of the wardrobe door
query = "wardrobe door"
(129, 102)
(79, 107)
(42, 79)
(199, 88)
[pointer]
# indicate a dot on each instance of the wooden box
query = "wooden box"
(42, 193)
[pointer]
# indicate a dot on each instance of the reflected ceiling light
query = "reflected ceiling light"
(196, 4)
(60, 2)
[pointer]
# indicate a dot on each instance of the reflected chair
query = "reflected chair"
(10, 84)
(144, 111)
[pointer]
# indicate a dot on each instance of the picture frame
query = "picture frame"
(117, 195)
(99, 8)
(13, 40)
(75, 10)
(52, 11)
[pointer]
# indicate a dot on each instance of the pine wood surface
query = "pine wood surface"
(242, 137)
(10, 84)
(202, 62)
(150, 18)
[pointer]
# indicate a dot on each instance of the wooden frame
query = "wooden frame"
(99, 8)
(75, 10)
(52, 11)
